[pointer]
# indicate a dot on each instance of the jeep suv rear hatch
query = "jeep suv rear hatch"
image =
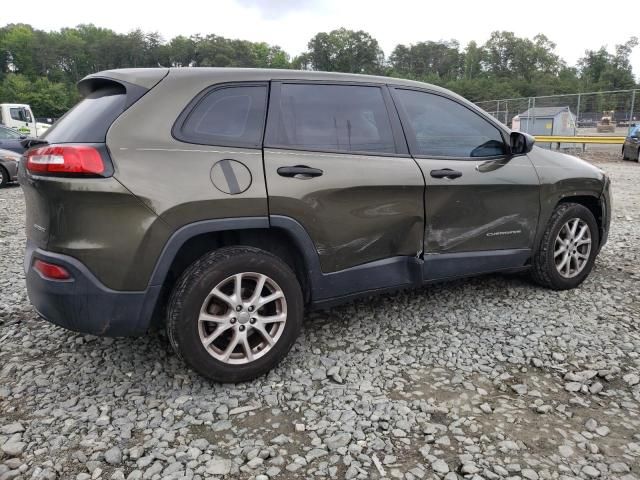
(64, 173)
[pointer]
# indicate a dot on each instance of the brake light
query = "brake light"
(51, 271)
(69, 159)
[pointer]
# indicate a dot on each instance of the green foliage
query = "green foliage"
(345, 50)
(41, 68)
(45, 97)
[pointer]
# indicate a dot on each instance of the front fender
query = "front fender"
(563, 177)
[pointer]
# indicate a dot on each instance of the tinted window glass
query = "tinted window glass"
(334, 117)
(7, 133)
(90, 119)
(17, 114)
(231, 115)
(444, 128)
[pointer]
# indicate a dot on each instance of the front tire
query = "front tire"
(235, 313)
(624, 153)
(568, 248)
(4, 177)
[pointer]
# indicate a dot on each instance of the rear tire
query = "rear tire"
(568, 248)
(4, 177)
(217, 321)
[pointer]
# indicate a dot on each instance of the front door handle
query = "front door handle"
(300, 172)
(446, 173)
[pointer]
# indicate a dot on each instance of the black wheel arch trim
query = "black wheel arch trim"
(551, 202)
(131, 312)
(394, 272)
(328, 288)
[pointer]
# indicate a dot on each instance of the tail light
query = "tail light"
(51, 271)
(66, 159)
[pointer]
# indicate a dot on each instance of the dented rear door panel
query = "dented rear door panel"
(363, 208)
(494, 205)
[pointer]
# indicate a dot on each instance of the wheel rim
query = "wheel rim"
(242, 318)
(572, 248)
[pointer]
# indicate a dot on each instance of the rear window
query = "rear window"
(230, 115)
(90, 119)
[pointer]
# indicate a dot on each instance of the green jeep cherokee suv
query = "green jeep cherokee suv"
(225, 202)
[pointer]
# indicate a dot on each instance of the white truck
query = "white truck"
(20, 117)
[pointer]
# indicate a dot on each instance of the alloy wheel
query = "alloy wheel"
(242, 318)
(572, 248)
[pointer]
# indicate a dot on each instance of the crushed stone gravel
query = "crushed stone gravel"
(490, 377)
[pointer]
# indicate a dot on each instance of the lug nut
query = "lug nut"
(252, 321)
(238, 308)
(233, 320)
(242, 328)
(251, 308)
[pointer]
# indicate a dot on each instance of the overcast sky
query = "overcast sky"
(291, 23)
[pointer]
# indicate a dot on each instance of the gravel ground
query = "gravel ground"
(484, 378)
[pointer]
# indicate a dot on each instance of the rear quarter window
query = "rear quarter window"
(90, 119)
(227, 116)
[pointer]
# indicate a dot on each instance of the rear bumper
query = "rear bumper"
(84, 304)
(606, 206)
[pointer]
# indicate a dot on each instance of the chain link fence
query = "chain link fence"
(595, 113)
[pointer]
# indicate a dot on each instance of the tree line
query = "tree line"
(41, 68)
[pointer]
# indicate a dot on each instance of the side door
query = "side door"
(30, 119)
(481, 203)
(336, 163)
(21, 120)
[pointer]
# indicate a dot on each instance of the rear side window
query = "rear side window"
(230, 115)
(444, 128)
(90, 119)
(343, 118)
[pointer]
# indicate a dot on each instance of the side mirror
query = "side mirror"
(521, 143)
(22, 137)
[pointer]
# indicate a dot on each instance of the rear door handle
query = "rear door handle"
(446, 173)
(300, 172)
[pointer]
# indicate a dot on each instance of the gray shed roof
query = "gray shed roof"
(545, 112)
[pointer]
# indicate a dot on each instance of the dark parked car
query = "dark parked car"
(10, 139)
(8, 166)
(631, 146)
(222, 203)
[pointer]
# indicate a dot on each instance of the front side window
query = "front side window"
(17, 114)
(21, 114)
(343, 118)
(8, 134)
(444, 128)
(226, 116)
